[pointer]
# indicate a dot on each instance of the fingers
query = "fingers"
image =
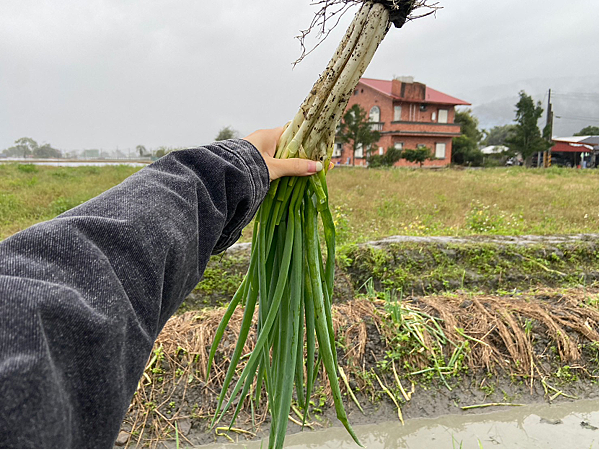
(265, 140)
(293, 167)
(266, 143)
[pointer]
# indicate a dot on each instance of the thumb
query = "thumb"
(293, 167)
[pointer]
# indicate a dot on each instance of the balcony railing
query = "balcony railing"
(425, 128)
(377, 126)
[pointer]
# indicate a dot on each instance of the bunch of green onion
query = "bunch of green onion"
(287, 277)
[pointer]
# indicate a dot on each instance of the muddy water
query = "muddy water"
(564, 425)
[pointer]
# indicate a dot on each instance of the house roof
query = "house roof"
(574, 147)
(431, 95)
(491, 149)
(593, 140)
(575, 143)
(383, 86)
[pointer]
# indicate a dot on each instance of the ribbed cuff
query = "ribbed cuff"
(256, 167)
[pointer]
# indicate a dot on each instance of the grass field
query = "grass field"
(366, 204)
(370, 204)
(30, 194)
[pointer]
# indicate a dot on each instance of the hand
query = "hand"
(266, 142)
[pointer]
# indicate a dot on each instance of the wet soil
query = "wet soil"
(565, 425)
(426, 402)
(174, 393)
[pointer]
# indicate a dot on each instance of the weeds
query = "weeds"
(486, 219)
(417, 341)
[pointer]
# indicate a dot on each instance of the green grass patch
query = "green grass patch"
(30, 194)
(366, 204)
(375, 203)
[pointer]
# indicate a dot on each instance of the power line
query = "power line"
(577, 118)
(574, 93)
(590, 95)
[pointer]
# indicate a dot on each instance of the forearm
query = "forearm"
(83, 297)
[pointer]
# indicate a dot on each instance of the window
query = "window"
(337, 150)
(374, 114)
(355, 91)
(399, 145)
(443, 116)
(397, 113)
(433, 116)
(423, 107)
(380, 151)
(440, 150)
(413, 113)
(359, 153)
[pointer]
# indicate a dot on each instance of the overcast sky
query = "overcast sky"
(117, 73)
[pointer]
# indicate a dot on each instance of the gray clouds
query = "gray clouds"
(109, 73)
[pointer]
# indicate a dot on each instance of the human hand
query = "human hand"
(266, 143)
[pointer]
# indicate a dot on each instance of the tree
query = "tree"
(388, 159)
(465, 148)
(141, 150)
(356, 130)
(46, 151)
(417, 155)
(226, 133)
(28, 147)
(588, 131)
(17, 151)
(162, 151)
(498, 134)
(527, 138)
(25, 147)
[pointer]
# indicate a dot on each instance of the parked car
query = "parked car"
(559, 160)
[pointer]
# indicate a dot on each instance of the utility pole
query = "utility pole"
(548, 130)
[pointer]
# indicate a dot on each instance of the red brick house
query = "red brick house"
(407, 114)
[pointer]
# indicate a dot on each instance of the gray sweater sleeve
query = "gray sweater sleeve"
(84, 296)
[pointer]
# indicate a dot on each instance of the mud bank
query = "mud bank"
(534, 346)
(437, 264)
(428, 265)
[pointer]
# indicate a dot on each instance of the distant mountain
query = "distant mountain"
(575, 102)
